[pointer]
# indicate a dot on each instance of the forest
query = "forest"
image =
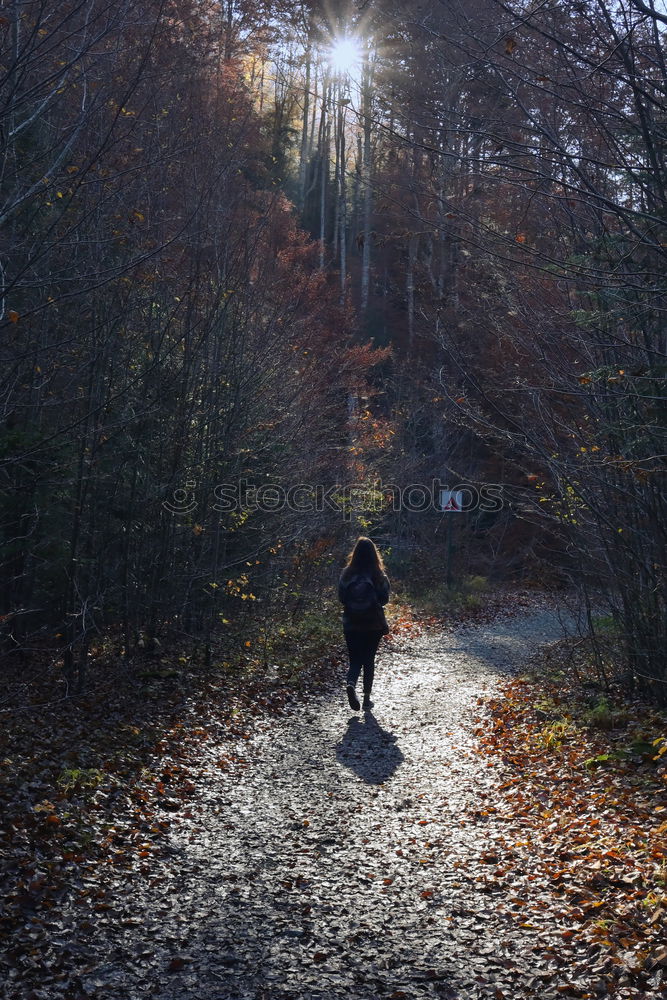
(232, 262)
(277, 275)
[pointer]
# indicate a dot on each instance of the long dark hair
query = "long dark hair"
(364, 558)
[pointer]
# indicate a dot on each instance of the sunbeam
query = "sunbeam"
(345, 55)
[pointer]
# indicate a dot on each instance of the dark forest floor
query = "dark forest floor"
(484, 832)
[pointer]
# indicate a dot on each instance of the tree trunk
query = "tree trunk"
(366, 182)
(324, 170)
(305, 150)
(342, 197)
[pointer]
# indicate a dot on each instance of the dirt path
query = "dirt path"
(347, 856)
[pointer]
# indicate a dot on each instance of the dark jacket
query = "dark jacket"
(374, 620)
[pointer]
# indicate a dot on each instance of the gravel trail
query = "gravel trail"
(347, 856)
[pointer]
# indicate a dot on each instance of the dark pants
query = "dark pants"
(362, 647)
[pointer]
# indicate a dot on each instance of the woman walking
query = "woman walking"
(363, 590)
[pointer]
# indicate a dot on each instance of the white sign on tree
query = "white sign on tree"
(451, 501)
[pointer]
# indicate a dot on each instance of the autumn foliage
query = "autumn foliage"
(584, 804)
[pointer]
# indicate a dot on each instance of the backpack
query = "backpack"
(360, 596)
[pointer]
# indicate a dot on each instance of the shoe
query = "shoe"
(368, 704)
(352, 698)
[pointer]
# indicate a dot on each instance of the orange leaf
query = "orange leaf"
(13, 316)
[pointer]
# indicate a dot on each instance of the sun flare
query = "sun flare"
(345, 55)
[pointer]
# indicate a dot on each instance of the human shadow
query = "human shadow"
(369, 750)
